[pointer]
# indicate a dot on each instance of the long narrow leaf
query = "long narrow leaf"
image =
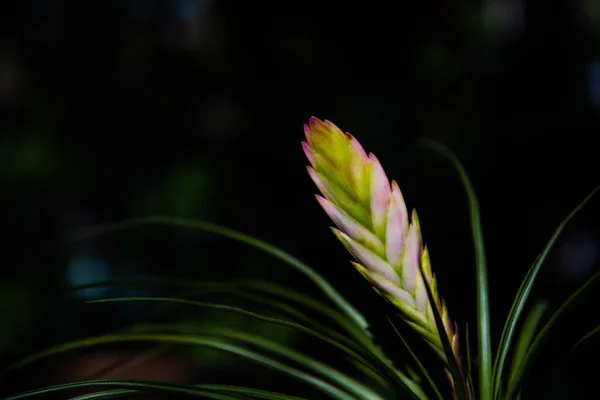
(135, 386)
(468, 344)
(384, 381)
(362, 335)
(359, 335)
(526, 337)
(351, 385)
(260, 394)
(523, 294)
(325, 333)
(273, 289)
(242, 288)
(587, 336)
(292, 312)
(264, 318)
(543, 333)
(121, 393)
(108, 394)
(287, 258)
(364, 340)
(417, 361)
(215, 343)
(218, 389)
(382, 376)
(459, 382)
(483, 306)
(507, 333)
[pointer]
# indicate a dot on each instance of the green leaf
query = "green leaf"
(257, 393)
(404, 381)
(459, 383)
(483, 306)
(276, 290)
(382, 376)
(244, 288)
(233, 288)
(108, 394)
(526, 337)
(256, 340)
(522, 296)
(214, 389)
(361, 335)
(287, 258)
(351, 385)
(292, 312)
(543, 333)
(587, 336)
(418, 362)
(193, 340)
(260, 317)
(468, 345)
(384, 381)
(130, 386)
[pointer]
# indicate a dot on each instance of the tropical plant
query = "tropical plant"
(373, 224)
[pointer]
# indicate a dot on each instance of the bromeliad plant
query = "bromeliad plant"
(373, 224)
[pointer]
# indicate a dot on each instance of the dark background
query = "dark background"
(120, 109)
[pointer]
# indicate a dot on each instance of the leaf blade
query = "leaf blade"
(289, 324)
(459, 383)
(523, 294)
(267, 248)
(126, 388)
(418, 362)
(534, 348)
(270, 288)
(130, 386)
(483, 306)
(527, 334)
(192, 340)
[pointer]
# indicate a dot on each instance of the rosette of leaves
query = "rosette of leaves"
(372, 222)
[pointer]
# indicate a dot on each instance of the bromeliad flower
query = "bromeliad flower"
(372, 223)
